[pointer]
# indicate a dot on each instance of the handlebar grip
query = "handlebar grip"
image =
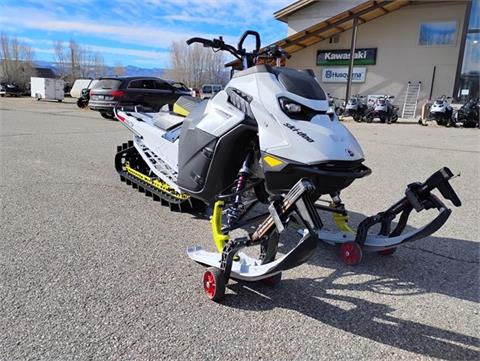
(203, 41)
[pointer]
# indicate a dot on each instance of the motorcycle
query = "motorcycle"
(468, 114)
(82, 101)
(441, 111)
(268, 137)
(383, 109)
(356, 108)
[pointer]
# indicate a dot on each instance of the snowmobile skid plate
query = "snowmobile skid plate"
(132, 168)
(418, 197)
(246, 268)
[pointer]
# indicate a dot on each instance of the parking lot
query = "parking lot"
(92, 269)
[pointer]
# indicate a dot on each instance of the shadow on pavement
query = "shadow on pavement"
(411, 271)
(313, 298)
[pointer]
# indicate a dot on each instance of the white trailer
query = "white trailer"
(81, 84)
(47, 88)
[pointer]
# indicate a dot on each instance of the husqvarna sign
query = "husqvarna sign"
(340, 75)
(365, 56)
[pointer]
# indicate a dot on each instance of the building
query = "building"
(397, 42)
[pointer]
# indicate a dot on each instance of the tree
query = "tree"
(16, 60)
(74, 61)
(60, 59)
(118, 69)
(195, 65)
(99, 67)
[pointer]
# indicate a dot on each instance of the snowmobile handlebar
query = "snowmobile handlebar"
(245, 35)
(273, 51)
(218, 44)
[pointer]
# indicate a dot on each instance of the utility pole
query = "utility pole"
(352, 58)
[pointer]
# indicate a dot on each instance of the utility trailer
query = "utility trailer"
(80, 84)
(47, 88)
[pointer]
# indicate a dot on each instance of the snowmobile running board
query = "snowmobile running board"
(127, 159)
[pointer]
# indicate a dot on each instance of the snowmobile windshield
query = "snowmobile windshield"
(112, 84)
(299, 83)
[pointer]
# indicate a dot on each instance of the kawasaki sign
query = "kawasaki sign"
(367, 56)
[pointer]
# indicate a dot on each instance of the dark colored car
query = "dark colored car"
(10, 89)
(149, 92)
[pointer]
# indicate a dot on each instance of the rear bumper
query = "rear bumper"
(102, 106)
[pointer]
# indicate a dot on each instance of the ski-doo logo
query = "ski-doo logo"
(349, 152)
(299, 132)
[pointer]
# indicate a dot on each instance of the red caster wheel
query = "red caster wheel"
(272, 280)
(387, 252)
(214, 283)
(351, 253)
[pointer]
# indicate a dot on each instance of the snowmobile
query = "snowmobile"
(336, 104)
(356, 108)
(82, 101)
(268, 137)
(468, 114)
(384, 110)
(441, 111)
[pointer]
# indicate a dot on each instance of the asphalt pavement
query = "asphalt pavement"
(91, 269)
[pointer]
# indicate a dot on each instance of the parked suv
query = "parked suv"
(209, 90)
(149, 92)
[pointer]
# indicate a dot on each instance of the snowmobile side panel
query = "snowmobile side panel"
(218, 171)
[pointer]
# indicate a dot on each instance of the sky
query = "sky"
(133, 32)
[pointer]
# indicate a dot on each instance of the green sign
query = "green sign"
(367, 56)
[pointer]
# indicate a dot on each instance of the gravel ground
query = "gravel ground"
(90, 269)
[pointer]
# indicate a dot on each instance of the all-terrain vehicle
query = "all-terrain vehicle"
(383, 109)
(268, 137)
(356, 108)
(468, 115)
(82, 101)
(441, 111)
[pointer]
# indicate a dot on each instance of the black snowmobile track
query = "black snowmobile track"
(133, 171)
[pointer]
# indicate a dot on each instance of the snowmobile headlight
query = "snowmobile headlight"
(289, 106)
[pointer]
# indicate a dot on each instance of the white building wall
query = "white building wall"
(317, 12)
(399, 57)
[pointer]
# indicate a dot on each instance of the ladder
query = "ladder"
(411, 100)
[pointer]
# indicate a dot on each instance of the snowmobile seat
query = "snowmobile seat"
(166, 121)
(184, 105)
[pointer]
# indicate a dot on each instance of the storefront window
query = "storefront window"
(438, 33)
(469, 83)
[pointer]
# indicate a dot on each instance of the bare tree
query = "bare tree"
(75, 61)
(118, 70)
(61, 59)
(99, 67)
(16, 60)
(195, 65)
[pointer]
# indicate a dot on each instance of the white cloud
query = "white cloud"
(158, 37)
(150, 24)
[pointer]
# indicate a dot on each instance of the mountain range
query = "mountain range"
(129, 69)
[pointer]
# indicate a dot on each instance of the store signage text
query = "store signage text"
(340, 75)
(366, 56)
